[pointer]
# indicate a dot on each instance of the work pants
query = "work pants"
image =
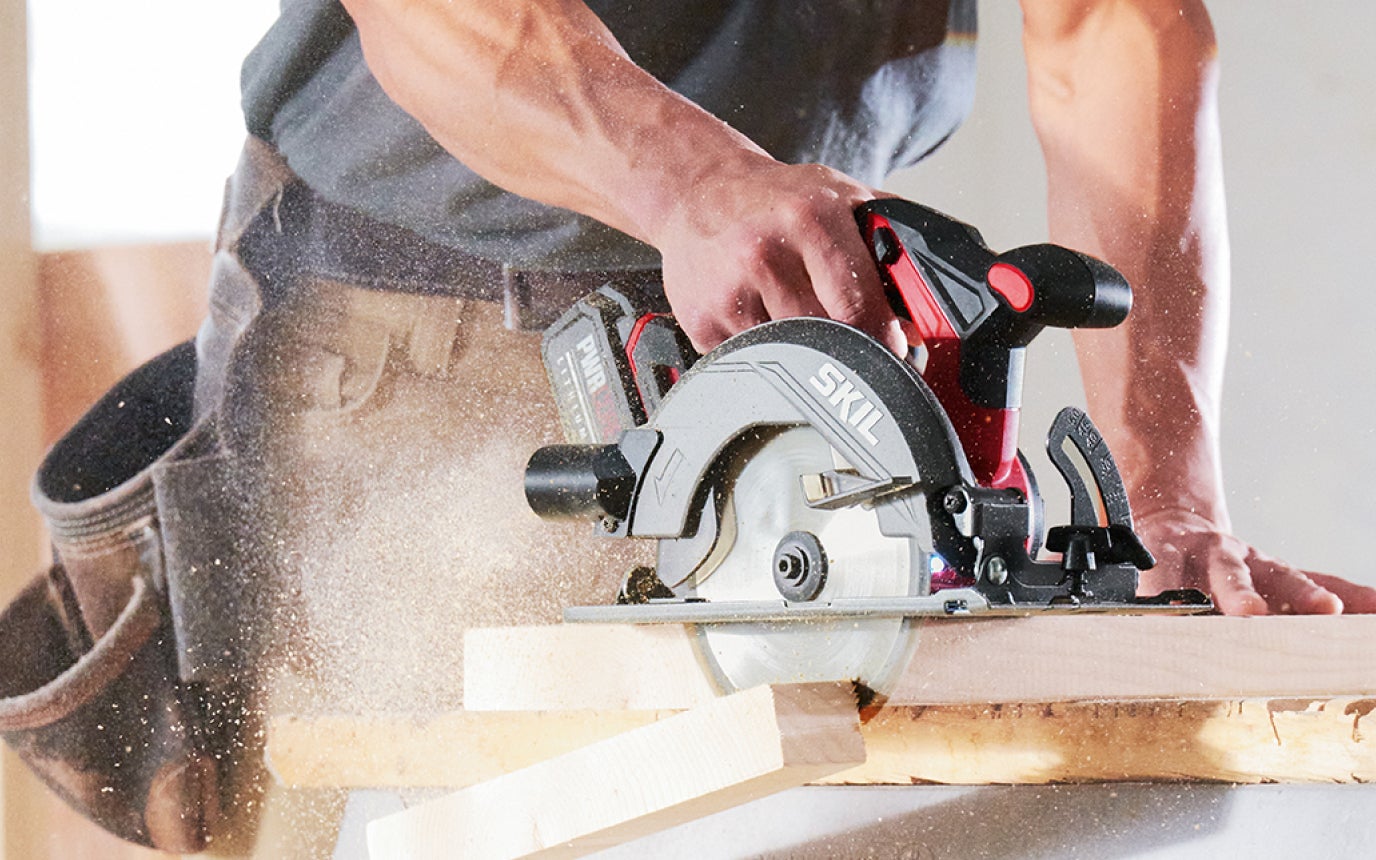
(339, 498)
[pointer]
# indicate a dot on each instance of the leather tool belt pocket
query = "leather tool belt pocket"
(89, 695)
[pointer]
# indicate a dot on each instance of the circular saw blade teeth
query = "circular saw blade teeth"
(767, 503)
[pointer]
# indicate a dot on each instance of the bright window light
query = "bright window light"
(135, 115)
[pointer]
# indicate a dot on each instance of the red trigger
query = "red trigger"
(1010, 282)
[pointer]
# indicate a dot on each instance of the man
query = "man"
(542, 100)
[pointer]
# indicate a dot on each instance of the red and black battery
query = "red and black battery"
(611, 359)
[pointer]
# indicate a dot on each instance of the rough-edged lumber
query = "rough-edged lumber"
(1007, 660)
(1248, 741)
(1261, 699)
(713, 757)
(1278, 740)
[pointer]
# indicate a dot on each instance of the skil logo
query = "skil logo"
(851, 405)
(594, 374)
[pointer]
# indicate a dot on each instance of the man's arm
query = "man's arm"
(1123, 97)
(538, 97)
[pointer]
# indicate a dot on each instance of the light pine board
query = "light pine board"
(1009, 701)
(968, 662)
(715, 756)
(1248, 741)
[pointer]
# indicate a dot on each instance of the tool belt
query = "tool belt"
(308, 235)
(91, 698)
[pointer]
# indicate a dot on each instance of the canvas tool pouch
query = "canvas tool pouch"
(89, 694)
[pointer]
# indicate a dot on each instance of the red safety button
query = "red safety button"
(1010, 282)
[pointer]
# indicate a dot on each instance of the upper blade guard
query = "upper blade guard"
(869, 405)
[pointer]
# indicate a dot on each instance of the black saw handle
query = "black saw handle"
(975, 311)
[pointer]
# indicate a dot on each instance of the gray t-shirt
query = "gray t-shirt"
(865, 86)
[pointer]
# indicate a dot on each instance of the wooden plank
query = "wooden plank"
(966, 662)
(718, 755)
(605, 667)
(1231, 699)
(1250, 741)
(1139, 657)
(1228, 699)
(447, 750)
(1278, 740)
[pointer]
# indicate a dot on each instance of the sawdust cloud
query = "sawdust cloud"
(402, 534)
(386, 594)
(381, 529)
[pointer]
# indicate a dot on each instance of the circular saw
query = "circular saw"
(814, 496)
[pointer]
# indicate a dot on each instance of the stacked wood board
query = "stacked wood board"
(1032, 700)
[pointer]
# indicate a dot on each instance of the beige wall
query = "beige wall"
(19, 428)
(79, 358)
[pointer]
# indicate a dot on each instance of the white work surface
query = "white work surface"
(931, 822)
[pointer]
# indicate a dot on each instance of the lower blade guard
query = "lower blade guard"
(785, 549)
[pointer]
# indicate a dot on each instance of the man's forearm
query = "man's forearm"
(540, 98)
(1123, 98)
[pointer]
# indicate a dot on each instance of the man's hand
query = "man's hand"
(1124, 99)
(1192, 552)
(768, 242)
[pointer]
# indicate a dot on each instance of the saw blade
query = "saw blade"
(767, 503)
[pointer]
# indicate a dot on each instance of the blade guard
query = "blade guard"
(885, 422)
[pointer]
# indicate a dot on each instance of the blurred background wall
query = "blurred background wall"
(135, 125)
